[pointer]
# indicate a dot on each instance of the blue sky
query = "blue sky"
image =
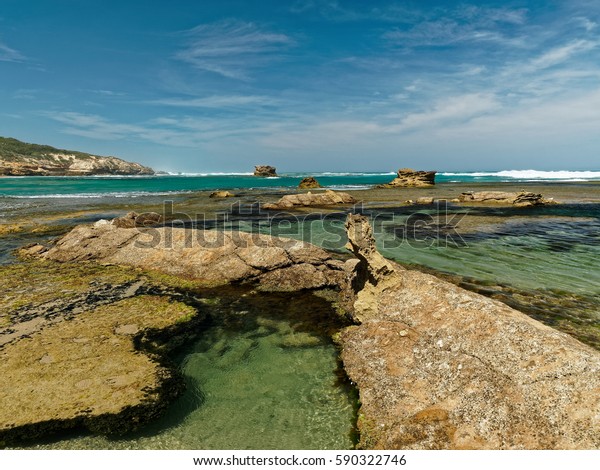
(307, 85)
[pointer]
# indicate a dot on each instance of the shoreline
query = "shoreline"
(387, 284)
(483, 219)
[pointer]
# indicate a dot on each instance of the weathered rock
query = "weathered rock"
(265, 170)
(221, 194)
(79, 347)
(22, 159)
(424, 200)
(327, 198)
(439, 367)
(211, 257)
(309, 183)
(411, 178)
(521, 199)
(133, 219)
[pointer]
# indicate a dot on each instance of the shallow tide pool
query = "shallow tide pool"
(263, 375)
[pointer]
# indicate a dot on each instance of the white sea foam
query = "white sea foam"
(97, 195)
(534, 175)
(206, 174)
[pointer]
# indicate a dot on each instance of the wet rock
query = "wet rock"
(221, 195)
(407, 177)
(265, 171)
(521, 199)
(439, 367)
(309, 183)
(327, 198)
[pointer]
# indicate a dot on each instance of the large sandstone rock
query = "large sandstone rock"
(327, 198)
(411, 178)
(438, 367)
(265, 170)
(521, 199)
(309, 183)
(210, 257)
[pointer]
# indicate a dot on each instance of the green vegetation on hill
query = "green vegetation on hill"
(13, 149)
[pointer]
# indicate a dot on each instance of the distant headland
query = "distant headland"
(23, 159)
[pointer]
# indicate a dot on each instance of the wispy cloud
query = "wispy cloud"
(231, 48)
(463, 24)
(454, 109)
(562, 53)
(217, 101)
(178, 132)
(8, 54)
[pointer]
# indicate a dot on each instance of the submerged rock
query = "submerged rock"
(521, 199)
(439, 367)
(265, 170)
(407, 177)
(309, 183)
(327, 198)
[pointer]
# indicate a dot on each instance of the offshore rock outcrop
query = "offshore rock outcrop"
(439, 367)
(407, 177)
(309, 183)
(265, 171)
(327, 198)
(22, 159)
(520, 199)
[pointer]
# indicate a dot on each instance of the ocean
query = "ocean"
(135, 186)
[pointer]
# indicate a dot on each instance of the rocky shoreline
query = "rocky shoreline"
(436, 366)
(24, 159)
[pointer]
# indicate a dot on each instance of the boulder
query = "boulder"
(521, 199)
(411, 178)
(424, 200)
(439, 367)
(133, 219)
(265, 170)
(327, 198)
(309, 183)
(221, 194)
(210, 257)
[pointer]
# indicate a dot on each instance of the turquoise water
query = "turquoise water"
(45, 186)
(543, 261)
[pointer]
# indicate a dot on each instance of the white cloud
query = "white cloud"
(563, 53)
(8, 54)
(454, 109)
(218, 101)
(231, 48)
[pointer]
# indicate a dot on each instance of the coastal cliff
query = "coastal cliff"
(23, 159)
